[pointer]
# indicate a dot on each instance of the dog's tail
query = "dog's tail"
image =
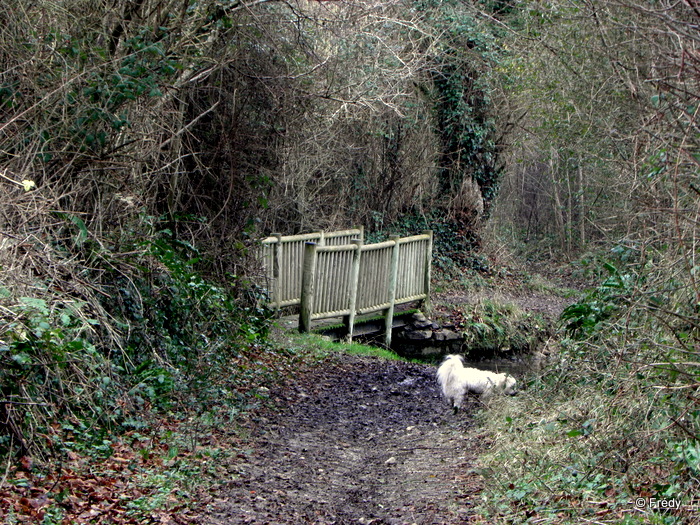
(447, 367)
(446, 376)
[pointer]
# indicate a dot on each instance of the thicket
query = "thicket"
(145, 145)
(605, 170)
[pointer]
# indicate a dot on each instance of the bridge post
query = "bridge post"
(354, 284)
(361, 235)
(277, 270)
(393, 276)
(427, 305)
(308, 281)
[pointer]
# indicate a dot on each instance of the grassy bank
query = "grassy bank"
(606, 432)
(584, 445)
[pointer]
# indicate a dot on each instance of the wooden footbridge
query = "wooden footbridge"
(336, 275)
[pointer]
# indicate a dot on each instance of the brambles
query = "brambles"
(171, 335)
(586, 316)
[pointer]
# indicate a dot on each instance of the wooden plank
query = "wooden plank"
(337, 248)
(413, 238)
(354, 276)
(276, 269)
(291, 238)
(427, 305)
(377, 246)
(344, 236)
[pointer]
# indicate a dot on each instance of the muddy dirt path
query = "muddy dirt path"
(357, 440)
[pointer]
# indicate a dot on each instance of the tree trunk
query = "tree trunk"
(558, 215)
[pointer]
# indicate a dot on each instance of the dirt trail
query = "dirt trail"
(548, 305)
(358, 440)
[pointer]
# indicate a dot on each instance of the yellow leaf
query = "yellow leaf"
(28, 184)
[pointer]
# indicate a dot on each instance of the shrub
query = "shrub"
(614, 419)
(156, 333)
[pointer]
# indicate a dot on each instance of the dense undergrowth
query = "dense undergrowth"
(119, 357)
(608, 431)
(151, 337)
(494, 328)
(455, 243)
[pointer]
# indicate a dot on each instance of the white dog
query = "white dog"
(456, 381)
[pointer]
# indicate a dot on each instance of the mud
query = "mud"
(357, 440)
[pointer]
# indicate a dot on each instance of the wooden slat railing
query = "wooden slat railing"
(283, 257)
(354, 279)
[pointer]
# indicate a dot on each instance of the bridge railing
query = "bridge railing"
(354, 279)
(283, 257)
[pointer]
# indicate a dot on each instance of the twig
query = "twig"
(188, 126)
(9, 463)
(682, 387)
(10, 402)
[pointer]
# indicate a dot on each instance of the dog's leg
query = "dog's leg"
(455, 405)
(458, 402)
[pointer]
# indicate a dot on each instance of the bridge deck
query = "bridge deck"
(368, 324)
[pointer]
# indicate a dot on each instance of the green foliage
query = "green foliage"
(581, 434)
(48, 362)
(492, 328)
(463, 107)
(92, 107)
(584, 317)
(322, 347)
(686, 454)
(611, 419)
(454, 244)
(182, 327)
(100, 103)
(179, 334)
(467, 131)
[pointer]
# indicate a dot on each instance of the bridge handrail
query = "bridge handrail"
(335, 236)
(352, 279)
(282, 258)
